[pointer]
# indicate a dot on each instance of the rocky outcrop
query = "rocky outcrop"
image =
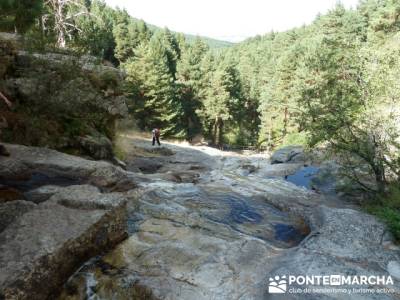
(60, 101)
(219, 235)
(12, 210)
(45, 238)
(28, 162)
(288, 154)
(43, 247)
(97, 146)
(345, 242)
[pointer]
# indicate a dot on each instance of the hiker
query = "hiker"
(3, 124)
(156, 136)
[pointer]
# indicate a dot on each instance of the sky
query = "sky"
(229, 20)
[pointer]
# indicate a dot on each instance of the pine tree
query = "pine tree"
(157, 104)
(129, 34)
(189, 76)
(218, 103)
(96, 32)
(19, 15)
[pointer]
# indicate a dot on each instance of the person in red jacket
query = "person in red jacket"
(156, 136)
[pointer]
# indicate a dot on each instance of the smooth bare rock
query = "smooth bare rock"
(327, 179)
(223, 237)
(42, 193)
(44, 246)
(12, 210)
(145, 165)
(287, 154)
(86, 197)
(280, 170)
(164, 151)
(346, 242)
(192, 242)
(393, 268)
(27, 160)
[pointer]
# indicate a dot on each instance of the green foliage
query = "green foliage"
(295, 138)
(73, 127)
(317, 83)
(151, 77)
(128, 35)
(211, 43)
(19, 15)
(392, 219)
(387, 207)
(96, 36)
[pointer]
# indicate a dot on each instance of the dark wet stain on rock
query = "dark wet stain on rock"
(241, 212)
(37, 180)
(288, 233)
(10, 194)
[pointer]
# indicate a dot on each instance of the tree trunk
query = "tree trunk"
(220, 132)
(285, 121)
(269, 143)
(380, 179)
(215, 132)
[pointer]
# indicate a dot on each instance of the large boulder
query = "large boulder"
(12, 210)
(73, 211)
(41, 166)
(97, 146)
(69, 97)
(42, 248)
(327, 180)
(288, 154)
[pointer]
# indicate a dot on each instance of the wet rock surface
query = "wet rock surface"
(293, 154)
(60, 224)
(203, 225)
(222, 236)
(347, 242)
(31, 167)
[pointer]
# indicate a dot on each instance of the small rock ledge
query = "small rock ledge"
(42, 245)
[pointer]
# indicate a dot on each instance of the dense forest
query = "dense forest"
(331, 82)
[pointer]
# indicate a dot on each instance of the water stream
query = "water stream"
(303, 177)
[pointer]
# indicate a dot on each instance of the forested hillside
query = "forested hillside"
(92, 208)
(332, 81)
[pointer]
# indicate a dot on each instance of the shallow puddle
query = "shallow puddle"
(303, 177)
(37, 180)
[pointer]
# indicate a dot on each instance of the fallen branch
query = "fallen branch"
(8, 102)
